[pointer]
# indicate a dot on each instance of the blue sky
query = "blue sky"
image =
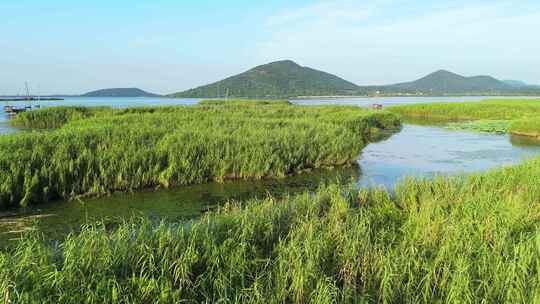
(166, 46)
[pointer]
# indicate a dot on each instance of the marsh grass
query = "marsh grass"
(55, 117)
(521, 117)
(527, 126)
(488, 126)
(449, 240)
(504, 109)
(99, 151)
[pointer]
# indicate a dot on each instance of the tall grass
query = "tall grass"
(520, 117)
(52, 118)
(507, 109)
(96, 152)
(459, 240)
(526, 126)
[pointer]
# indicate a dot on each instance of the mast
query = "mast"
(28, 94)
(39, 97)
(27, 90)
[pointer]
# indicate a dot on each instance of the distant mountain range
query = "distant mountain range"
(288, 79)
(516, 83)
(445, 82)
(119, 92)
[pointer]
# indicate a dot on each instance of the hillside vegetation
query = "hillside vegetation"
(445, 82)
(119, 92)
(99, 150)
(287, 79)
(277, 79)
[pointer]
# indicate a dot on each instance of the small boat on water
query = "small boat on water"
(19, 110)
(8, 109)
(13, 110)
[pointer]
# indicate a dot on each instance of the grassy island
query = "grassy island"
(93, 151)
(520, 117)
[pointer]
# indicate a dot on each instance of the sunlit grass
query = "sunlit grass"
(514, 116)
(99, 151)
(506, 109)
(527, 126)
(458, 240)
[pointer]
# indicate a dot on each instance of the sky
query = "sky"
(166, 46)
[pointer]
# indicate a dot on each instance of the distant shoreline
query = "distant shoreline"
(32, 99)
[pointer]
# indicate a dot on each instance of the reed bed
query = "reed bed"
(527, 126)
(56, 117)
(458, 240)
(99, 151)
(521, 117)
(507, 109)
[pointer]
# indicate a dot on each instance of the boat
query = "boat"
(19, 110)
(13, 110)
(8, 109)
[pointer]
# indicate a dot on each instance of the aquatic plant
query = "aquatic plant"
(99, 151)
(488, 126)
(457, 240)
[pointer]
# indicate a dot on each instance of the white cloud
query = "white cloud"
(322, 12)
(364, 42)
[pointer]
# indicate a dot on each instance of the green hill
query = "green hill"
(516, 83)
(446, 82)
(119, 92)
(276, 79)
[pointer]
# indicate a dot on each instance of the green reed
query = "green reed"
(450, 240)
(515, 116)
(506, 109)
(99, 151)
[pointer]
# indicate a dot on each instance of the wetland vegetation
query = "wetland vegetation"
(461, 239)
(101, 150)
(521, 117)
(457, 240)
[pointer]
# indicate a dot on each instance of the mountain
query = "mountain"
(521, 84)
(445, 82)
(277, 79)
(516, 83)
(119, 92)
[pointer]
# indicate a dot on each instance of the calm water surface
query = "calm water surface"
(425, 151)
(421, 151)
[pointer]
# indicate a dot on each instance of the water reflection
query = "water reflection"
(182, 203)
(425, 151)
